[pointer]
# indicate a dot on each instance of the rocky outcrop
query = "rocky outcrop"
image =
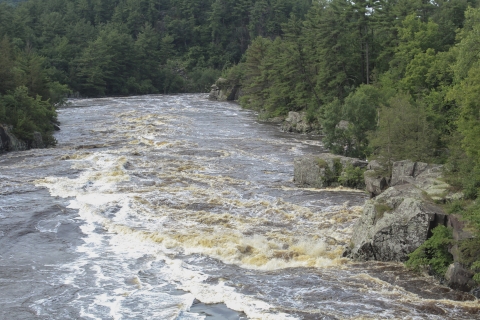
(376, 180)
(401, 217)
(225, 90)
(458, 276)
(8, 141)
(322, 170)
(297, 122)
(394, 224)
(424, 176)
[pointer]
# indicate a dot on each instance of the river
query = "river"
(176, 207)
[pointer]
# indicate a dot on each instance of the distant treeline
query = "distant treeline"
(52, 48)
(119, 47)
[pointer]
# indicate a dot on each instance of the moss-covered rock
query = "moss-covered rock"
(326, 170)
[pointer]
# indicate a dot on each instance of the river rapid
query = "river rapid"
(175, 207)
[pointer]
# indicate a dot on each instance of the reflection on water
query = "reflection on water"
(186, 209)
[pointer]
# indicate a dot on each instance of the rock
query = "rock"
(376, 179)
(418, 173)
(375, 165)
(424, 176)
(460, 233)
(321, 170)
(296, 122)
(278, 119)
(394, 224)
(459, 278)
(37, 141)
(375, 183)
(225, 90)
(8, 141)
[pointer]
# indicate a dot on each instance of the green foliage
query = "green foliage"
(403, 132)
(202, 79)
(28, 115)
(332, 172)
(433, 252)
(360, 113)
(476, 268)
(352, 177)
(322, 163)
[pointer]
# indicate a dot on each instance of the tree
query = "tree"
(359, 115)
(403, 132)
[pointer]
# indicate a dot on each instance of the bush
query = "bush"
(352, 177)
(202, 79)
(433, 252)
(28, 115)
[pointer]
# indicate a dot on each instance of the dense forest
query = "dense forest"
(54, 48)
(404, 75)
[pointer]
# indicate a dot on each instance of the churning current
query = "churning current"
(175, 207)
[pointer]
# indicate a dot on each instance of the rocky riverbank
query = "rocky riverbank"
(9, 142)
(295, 122)
(404, 208)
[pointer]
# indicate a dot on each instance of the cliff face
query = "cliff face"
(400, 219)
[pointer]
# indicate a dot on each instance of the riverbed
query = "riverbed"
(176, 207)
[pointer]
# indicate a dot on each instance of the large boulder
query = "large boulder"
(460, 278)
(297, 122)
(322, 170)
(225, 90)
(376, 178)
(422, 175)
(401, 218)
(427, 177)
(394, 224)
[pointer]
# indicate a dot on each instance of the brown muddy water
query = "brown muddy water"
(175, 207)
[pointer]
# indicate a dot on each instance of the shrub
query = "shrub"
(433, 252)
(352, 177)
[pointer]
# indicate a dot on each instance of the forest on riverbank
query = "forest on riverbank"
(386, 80)
(402, 76)
(90, 48)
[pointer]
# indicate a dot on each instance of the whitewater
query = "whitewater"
(177, 207)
